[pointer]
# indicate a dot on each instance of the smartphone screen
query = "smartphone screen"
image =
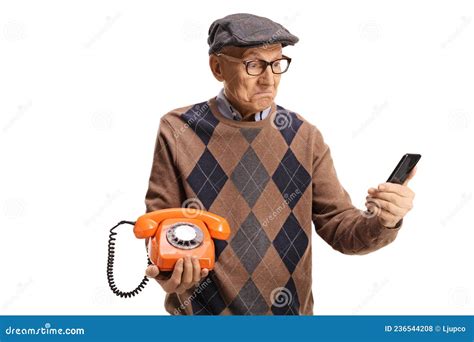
(403, 168)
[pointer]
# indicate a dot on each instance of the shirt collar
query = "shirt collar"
(230, 112)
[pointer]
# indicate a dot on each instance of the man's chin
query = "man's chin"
(263, 103)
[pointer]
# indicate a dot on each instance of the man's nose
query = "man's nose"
(267, 78)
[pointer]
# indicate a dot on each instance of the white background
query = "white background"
(83, 86)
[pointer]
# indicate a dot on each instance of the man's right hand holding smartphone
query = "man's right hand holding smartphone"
(392, 200)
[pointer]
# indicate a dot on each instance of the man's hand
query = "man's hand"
(391, 202)
(186, 274)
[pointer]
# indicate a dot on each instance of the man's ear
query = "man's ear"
(216, 67)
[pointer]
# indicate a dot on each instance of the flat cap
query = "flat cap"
(247, 30)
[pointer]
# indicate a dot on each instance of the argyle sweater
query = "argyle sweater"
(271, 179)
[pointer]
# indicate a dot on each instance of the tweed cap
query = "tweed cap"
(247, 30)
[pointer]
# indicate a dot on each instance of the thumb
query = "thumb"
(410, 176)
(152, 271)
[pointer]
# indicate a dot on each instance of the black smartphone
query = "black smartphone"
(405, 165)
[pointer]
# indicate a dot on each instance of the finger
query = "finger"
(388, 206)
(196, 270)
(175, 279)
(402, 202)
(372, 207)
(399, 189)
(410, 176)
(187, 278)
(372, 191)
(387, 217)
(152, 271)
(204, 272)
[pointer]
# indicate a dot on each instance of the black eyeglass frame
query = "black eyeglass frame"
(247, 62)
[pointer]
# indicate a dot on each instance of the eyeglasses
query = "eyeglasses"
(256, 67)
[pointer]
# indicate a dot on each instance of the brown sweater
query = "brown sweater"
(270, 179)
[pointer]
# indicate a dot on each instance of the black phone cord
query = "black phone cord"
(110, 266)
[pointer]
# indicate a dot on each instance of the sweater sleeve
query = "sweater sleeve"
(165, 189)
(336, 220)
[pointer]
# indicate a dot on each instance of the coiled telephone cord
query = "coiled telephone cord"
(110, 266)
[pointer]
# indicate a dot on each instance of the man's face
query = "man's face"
(249, 94)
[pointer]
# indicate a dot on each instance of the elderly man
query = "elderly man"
(266, 170)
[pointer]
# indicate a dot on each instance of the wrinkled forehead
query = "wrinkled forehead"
(259, 52)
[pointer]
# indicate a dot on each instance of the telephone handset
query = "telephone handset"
(174, 233)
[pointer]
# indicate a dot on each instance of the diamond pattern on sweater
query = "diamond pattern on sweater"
(291, 242)
(291, 178)
(219, 246)
(266, 177)
(208, 300)
(250, 177)
(200, 118)
(250, 133)
(249, 301)
(207, 179)
(250, 243)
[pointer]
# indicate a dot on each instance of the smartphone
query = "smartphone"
(405, 165)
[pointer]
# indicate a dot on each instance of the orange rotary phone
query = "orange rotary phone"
(177, 233)
(174, 233)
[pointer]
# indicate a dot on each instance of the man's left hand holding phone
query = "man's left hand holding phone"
(187, 273)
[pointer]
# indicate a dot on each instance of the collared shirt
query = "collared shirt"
(230, 112)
